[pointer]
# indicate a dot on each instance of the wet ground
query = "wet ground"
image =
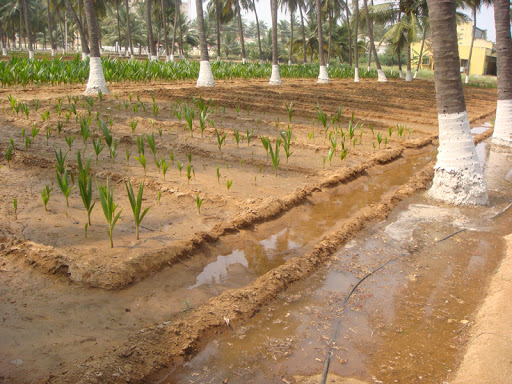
(406, 323)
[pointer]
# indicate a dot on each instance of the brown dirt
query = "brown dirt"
(489, 350)
(53, 241)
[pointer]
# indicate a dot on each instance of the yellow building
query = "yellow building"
(483, 58)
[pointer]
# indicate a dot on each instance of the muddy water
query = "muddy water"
(65, 323)
(407, 323)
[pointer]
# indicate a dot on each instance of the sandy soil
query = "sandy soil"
(159, 334)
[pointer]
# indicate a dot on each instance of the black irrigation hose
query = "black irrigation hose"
(336, 329)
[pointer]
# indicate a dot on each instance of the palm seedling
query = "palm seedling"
(8, 153)
(48, 134)
(152, 145)
(249, 135)
(136, 204)
(265, 141)
(343, 154)
(106, 133)
(289, 109)
(140, 144)
(45, 116)
(199, 202)
(60, 124)
(321, 116)
(274, 155)
(180, 166)
(155, 109)
(218, 174)
(330, 154)
(164, 166)
(142, 160)
(379, 138)
(220, 139)
(189, 172)
(85, 130)
(237, 137)
(36, 104)
(15, 203)
(188, 113)
(62, 180)
(128, 154)
(35, 131)
(390, 131)
(69, 140)
(45, 194)
(287, 137)
(189, 157)
(229, 183)
(85, 186)
(97, 147)
(61, 160)
(28, 141)
(203, 118)
(171, 156)
(109, 209)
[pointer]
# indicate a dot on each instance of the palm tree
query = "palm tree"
(234, 5)
(502, 127)
(356, 46)
(458, 177)
(205, 78)
(300, 4)
(475, 6)
(164, 24)
(291, 5)
(151, 40)
(176, 18)
(258, 31)
(425, 27)
(83, 40)
(50, 29)
(323, 76)
(275, 79)
(96, 81)
(369, 22)
(128, 31)
(27, 29)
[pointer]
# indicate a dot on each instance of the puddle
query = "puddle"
(481, 129)
(404, 324)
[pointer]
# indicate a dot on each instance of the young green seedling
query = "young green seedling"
(152, 145)
(85, 186)
(60, 124)
(48, 134)
(188, 113)
(62, 180)
(344, 154)
(171, 156)
(218, 174)
(45, 116)
(164, 166)
(289, 109)
(15, 203)
(199, 202)
(45, 194)
(28, 141)
(331, 153)
(237, 137)
(249, 135)
(109, 209)
(189, 173)
(265, 141)
(35, 131)
(180, 166)
(203, 119)
(97, 147)
(113, 153)
(229, 183)
(220, 139)
(321, 116)
(128, 154)
(140, 144)
(142, 160)
(189, 157)
(287, 137)
(379, 138)
(274, 154)
(61, 160)
(8, 153)
(136, 204)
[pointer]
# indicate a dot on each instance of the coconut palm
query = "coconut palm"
(356, 46)
(275, 79)
(83, 40)
(176, 18)
(369, 26)
(458, 176)
(257, 31)
(290, 5)
(323, 76)
(234, 6)
(149, 27)
(205, 71)
(128, 30)
(475, 6)
(503, 127)
(425, 27)
(96, 80)
(301, 6)
(27, 29)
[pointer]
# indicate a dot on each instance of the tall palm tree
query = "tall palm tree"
(176, 18)
(164, 24)
(96, 80)
(502, 126)
(50, 28)
(235, 6)
(27, 29)
(458, 177)
(356, 46)
(205, 78)
(300, 4)
(275, 79)
(474, 5)
(369, 26)
(151, 40)
(291, 5)
(425, 27)
(128, 31)
(323, 76)
(257, 31)
(83, 40)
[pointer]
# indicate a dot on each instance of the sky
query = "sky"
(484, 18)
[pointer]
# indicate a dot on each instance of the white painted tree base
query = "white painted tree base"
(132, 57)
(466, 80)
(96, 81)
(503, 124)
(401, 74)
(31, 55)
(244, 60)
(458, 177)
(323, 77)
(356, 75)
(381, 76)
(261, 62)
(275, 79)
(408, 76)
(172, 57)
(289, 62)
(415, 74)
(53, 52)
(154, 58)
(84, 56)
(205, 78)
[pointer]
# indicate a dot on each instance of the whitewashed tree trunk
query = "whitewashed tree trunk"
(96, 81)
(323, 77)
(356, 75)
(503, 124)
(275, 79)
(408, 76)
(205, 78)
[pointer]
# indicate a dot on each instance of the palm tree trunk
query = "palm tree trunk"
(356, 50)
(240, 30)
(458, 177)
(128, 30)
(217, 21)
(382, 76)
(205, 78)
(52, 42)
(275, 79)
(347, 15)
(151, 40)
(96, 81)
(118, 27)
(291, 39)
(303, 33)
(323, 76)
(2, 44)
(166, 39)
(176, 17)
(181, 35)
(408, 74)
(258, 31)
(83, 41)
(502, 128)
(27, 29)
(330, 37)
(421, 51)
(473, 32)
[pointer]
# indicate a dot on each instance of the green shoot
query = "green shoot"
(237, 137)
(274, 155)
(249, 135)
(62, 180)
(85, 186)
(218, 174)
(61, 160)
(188, 113)
(289, 109)
(8, 153)
(15, 203)
(45, 194)
(321, 116)
(331, 154)
(287, 137)
(136, 205)
(152, 145)
(189, 173)
(265, 141)
(171, 156)
(164, 166)
(189, 157)
(344, 154)
(180, 166)
(390, 130)
(35, 130)
(379, 138)
(28, 141)
(60, 124)
(229, 183)
(142, 160)
(140, 144)
(109, 209)
(97, 147)
(220, 139)
(48, 134)
(69, 140)
(199, 202)
(84, 129)
(203, 118)
(128, 154)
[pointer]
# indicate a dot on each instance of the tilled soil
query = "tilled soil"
(67, 264)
